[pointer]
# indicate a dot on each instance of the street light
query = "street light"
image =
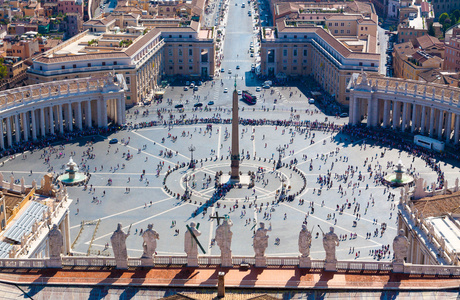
(192, 162)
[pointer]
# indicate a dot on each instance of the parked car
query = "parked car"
(258, 89)
(225, 90)
(211, 103)
(113, 141)
(179, 106)
(344, 115)
(199, 104)
(195, 88)
(185, 88)
(222, 70)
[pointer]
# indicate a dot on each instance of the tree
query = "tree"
(431, 30)
(443, 17)
(3, 69)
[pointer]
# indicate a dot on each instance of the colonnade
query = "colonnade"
(57, 117)
(415, 112)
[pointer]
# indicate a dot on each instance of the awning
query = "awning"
(159, 93)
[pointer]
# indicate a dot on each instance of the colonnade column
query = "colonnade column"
(42, 122)
(88, 114)
(404, 117)
(119, 112)
(370, 115)
(456, 129)
(351, 110)
(25, 125)
(423, 121)
(104, 113)
(69, 119)
(123, 109)
(78, 117)
(61, 119)
(440, 123)
(17, 129)
(448, 126)
(395, 118)
(431, 121)
(51, 111)
(8, 132)
(414, 117)
(386, 113)
(2, 141)
(34, 125)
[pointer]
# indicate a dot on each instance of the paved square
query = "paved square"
(155, 150)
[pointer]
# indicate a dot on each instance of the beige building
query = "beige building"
(311, 50)
(136, 52)
(410, 62)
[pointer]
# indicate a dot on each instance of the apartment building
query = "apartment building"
(409, 62)
(452, 53)
(301, 50)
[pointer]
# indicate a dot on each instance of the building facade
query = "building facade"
(303, 51)
(406, 105)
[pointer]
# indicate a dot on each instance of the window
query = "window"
(336, 24)
(180, 52)
(180, 35)
(63, 67)
(190, 60)
(294, 68)
(341, 31)
(294, 52)
(190, 68)
(360, 64)
(305, 52)
(342, 24)
(180, 68)
(170, 67)
(284, 68)
(41, 68)
(190, 36)
(128, 80)
(372, 64)
(294, 61)
(74, 66)
(170, 61)
(284, 52)
(103, 63)
(190, 51)
(295, 36)
(181, 61)
(170, 52)
(115, 63)
(89, 65)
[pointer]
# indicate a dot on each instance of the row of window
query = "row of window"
(180, 68)
(190, 52)
(89, 65)
(181, 61)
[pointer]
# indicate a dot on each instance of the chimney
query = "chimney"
(221, 285)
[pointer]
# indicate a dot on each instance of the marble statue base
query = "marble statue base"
(398, 267)
(226, 262)
(192, 261)
(54, 263)
(147, 262)
(243, 179)
(122, 264)
(330, 266)
(304, 262)
(261, 262)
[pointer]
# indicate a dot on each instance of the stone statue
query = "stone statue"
(56, 242)
(224, 241)
(330, 241)
(304, 241)
(150, 237)
(260, 241)
(118, 241)
(190, 245)
(400, 247)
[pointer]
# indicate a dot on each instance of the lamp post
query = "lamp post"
(192, 162)
(280, 149)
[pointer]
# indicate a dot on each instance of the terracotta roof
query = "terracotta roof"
(425, 7)
(426, 41)
(138, 44)
(404, 49)
(437, 206)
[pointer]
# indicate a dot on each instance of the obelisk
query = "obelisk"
(235, 164)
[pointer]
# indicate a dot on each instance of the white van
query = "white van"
(311, 101)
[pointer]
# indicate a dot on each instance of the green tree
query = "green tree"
(431, 30)
(443, 17)
(456, 14)
(3, 69)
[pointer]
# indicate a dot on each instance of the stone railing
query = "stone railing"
(97, 261)
(36, 92)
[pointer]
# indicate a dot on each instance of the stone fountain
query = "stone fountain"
(72, 176)
(399, 177)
